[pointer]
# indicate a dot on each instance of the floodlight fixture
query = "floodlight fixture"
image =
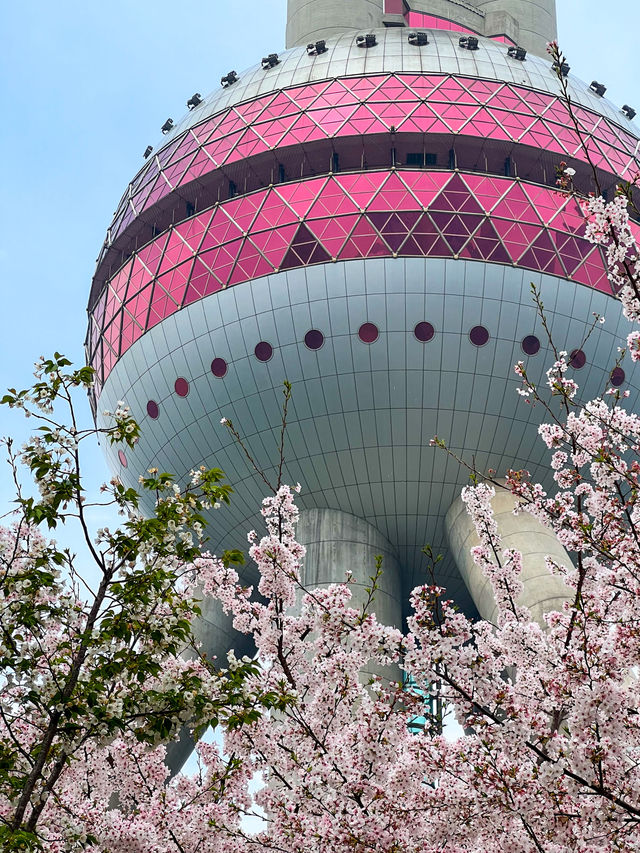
(418, 39)
(147, 151)
(316, 48)
(598, 88)
(516, 52)
(167, 127)
(564, 68)
(468, 42)
(194, 101)
(270, 61)
(229, 79)
(629, 112)
(369, 40)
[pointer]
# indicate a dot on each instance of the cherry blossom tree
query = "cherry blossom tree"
(550, 757)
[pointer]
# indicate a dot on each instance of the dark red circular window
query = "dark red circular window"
(219, 367)
(424, 332)
(617, 377)
(479, 336)
(531, 345)
(181, 387)
(313, 339)
(263, 351)
(122, 458)
(577, 359)
(368, 333)
(153, 410)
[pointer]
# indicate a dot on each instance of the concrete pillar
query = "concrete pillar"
(214, 630)
(311, 20)
(542, 591)
(337, 542)
(536, 19)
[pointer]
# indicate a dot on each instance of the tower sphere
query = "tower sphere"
(365, 222)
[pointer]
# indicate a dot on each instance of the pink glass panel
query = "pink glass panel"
(395, 222)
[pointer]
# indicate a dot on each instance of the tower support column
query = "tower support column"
(542, 591)
(338, 542)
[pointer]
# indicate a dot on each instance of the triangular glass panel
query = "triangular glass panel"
(164, 155)
(242, 211)
(273, 213)
(516, 206)
(425, 186)
(424, 120)
(362, 187)
(393, 195)
(540, 137)
(301, 195)
(175, 282)
(537, 101)
(393, 114)
(422, 85)
(427, 238)
(219, 149)
(331, 120)
(516, 236)
(251, 110)
(486, 126)
(221, 230)
(487, 190)
(456, 228)
(542, 256)
(140, 276)
(394, 90)
(131, 331)
(570, 218)
(201, 284)
(333, 201)
(201, 164)
(306, 95)
(247, 146)
(572, 250)
(304, 130)
(112, 332)
(335, 95)
(451, 91)
(394, 227)
(282, 105)
(545, 201)
(514, 99)
(306, 248)
(273, 130)
(515, 124)
(274, 244)
(333, 232)
(363, 87)
(138, 306)
(193, 229)
(457, 197)
(363, 121)
(222, 259)
(250, 264)
(457, 116)
(485, 245)
(176, 251)
(162, 306)
(364, 242)
(231, 124)
(483, 90)
(593, 272)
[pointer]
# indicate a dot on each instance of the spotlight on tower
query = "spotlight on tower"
(229, 79)
(369, 40)
(316, 48)
(629, 112)
(418, 39)
(598, 88)
(517, 53)
(147, 151)
(563, 68)
(468, 42)
(270, 61)
(194, 101)
(167, 126)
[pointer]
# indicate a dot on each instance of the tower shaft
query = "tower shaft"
(531, 24)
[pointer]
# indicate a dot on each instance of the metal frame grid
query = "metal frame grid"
(350, 216)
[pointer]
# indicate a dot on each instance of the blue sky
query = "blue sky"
(85, 87)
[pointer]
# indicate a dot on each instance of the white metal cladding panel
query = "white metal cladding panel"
(362, 415)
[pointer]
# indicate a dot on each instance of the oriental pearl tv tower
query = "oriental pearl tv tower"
(363, 214)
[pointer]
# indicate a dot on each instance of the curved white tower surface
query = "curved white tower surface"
(364, 218)
(531, 24)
